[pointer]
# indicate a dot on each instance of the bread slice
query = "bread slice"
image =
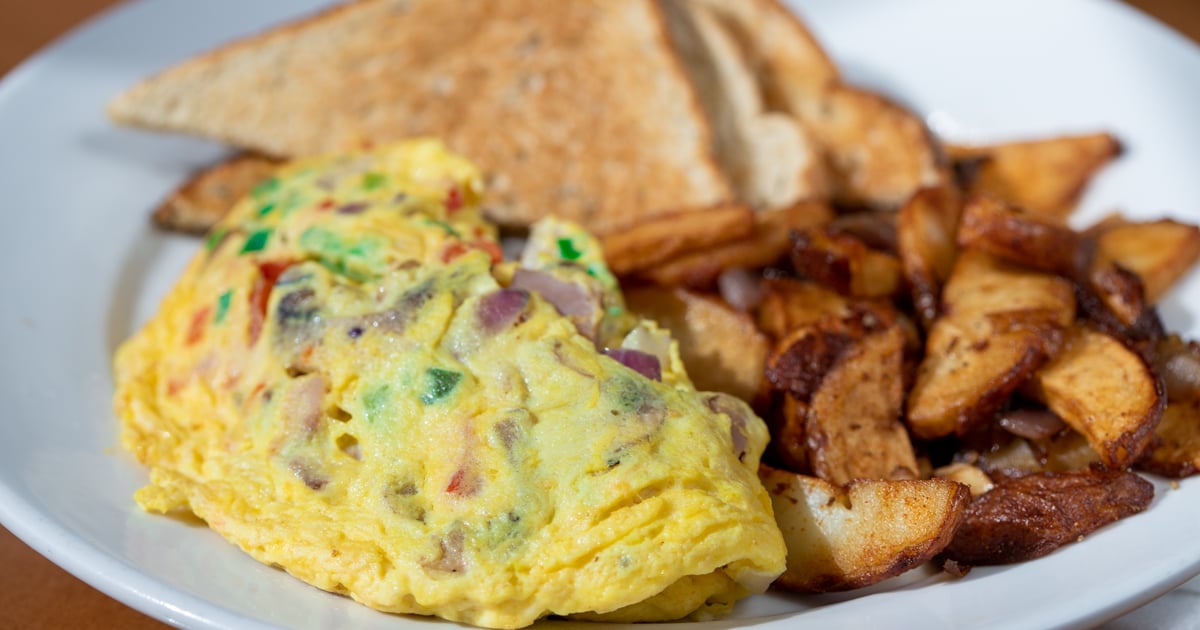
(769, 157)
(579, 108)
(792, 67)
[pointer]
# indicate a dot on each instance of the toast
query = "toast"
(584, 109)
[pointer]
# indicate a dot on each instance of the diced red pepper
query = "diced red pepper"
(199, 323)
(462, 483)
(454, 250)
(454, 199)
(268, 275)
(458, 248)
(491, 247)
(326, 204)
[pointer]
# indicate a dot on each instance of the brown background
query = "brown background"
(35, 593)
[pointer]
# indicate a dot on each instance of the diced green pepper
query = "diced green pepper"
(376, 402)
(256, 241)
(567, 250)
(266, 187)
(439, 383)
(371, 181)
(214, 238)
(223, 306)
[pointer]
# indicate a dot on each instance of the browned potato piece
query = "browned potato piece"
(789, 446)
(999, 322)
(204, 199)
(876, 230)
(853, 427)
(789, 304)
(720, 347)
(764, 246)
(843, 539)
(1159, 252)
(1105, 391)
(1007, 231)
(1176, 452)
(1044, 176)
(844, 264)
(879, 152)
(925, 238)
(657, 239)
(1027, 517)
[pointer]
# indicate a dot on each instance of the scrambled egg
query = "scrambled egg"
(350, 384)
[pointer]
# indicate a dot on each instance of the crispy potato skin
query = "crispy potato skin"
(1175, 452)
(1007, 231)
(999, 323)
(926, 245)
(845, 264)
(1159, 252)
(872, 530)
(766, 244)
(1105, 391)
(656, 240)
(1046, 176)
(1027, 517)
(853, 427)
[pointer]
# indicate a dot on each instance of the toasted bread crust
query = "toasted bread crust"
(577, 108)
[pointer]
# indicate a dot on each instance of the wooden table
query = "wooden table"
(34, 593)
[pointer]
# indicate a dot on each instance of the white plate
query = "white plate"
(82, 268)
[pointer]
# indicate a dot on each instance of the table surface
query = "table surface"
(34, 593)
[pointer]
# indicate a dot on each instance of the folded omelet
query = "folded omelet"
(348, 382)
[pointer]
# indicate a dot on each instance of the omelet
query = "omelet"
(349, 383)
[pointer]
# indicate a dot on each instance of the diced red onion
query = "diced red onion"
(736, 410)
(302, 408)
(309, 473)
(1032, 424)
(1181, 376)
(645, 364)
(741, 288)
(569, 298)
(500, 309)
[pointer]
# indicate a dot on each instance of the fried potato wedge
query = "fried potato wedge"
(844, 390)
(925, 240)
(1176, 451)
(845, 264)
(1113, 298)
(657, 239)
(879, 152)
(766, 244)
(853, 427)
(1002, 229)
(1027, 517)
(1045, 176)
(788, 304)
(999, 323)
(872, 530)
(721, 348)
(208, 195)
(1105, 391)
(1159, 252)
